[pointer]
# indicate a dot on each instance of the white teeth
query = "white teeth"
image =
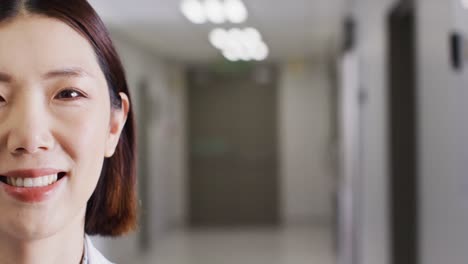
(28, 182)
(37, 182)
(32, 182)
(18, 182)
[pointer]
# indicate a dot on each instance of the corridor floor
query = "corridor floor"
(298, 245)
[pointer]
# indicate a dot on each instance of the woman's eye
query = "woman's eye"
(69, 94)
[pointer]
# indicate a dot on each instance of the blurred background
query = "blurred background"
(299, 131)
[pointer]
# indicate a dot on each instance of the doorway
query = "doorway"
(403, 130)
(232, 135)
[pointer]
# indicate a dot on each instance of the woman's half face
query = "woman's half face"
(56, 126)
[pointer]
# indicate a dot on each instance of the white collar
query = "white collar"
(91, 255)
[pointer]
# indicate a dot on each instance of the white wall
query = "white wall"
(443, 97)
(176, 206)
(349, 148)
(166, 144)
(373, 239)
(305, 122)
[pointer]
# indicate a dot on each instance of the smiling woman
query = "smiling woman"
(66, 134)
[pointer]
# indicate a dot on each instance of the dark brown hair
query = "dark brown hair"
(111, 210)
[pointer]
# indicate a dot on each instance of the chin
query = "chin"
(31, 224)
(41, 221)
(22, 231)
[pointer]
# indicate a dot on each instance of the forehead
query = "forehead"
(33, 45)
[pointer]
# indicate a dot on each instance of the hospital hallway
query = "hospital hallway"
(294, 132)
(299, 245)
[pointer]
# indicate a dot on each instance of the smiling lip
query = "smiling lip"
(31, 194)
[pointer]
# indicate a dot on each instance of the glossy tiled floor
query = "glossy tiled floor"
(300, 245)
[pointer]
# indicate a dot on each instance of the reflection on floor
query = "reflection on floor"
(298, 245)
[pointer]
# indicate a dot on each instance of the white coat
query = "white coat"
(92, 255)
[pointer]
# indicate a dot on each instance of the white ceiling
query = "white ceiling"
(293, 29)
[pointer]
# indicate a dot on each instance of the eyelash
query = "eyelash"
(70, 90)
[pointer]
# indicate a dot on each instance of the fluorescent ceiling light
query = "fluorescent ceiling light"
(230, 56)
(235, 11)
(252, 34)
(237, 44)
(193, 11)
(232, 45)
(218, 38)
(261, 52)
(214, 11)
(235, 34)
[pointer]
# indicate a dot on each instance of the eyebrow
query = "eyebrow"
(62, 72)
(67, 72)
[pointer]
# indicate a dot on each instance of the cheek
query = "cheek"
(84, 135)
(83, 140)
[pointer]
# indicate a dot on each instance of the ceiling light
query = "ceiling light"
(239, 44)
(193, 11)
(235, 11)
(214, 11)
(236, 47)
(252, 34)
(249, 38)
(235, 34)
(230, 55)
(219, 38)
(261, 51)
(245, 54)
(233, 46)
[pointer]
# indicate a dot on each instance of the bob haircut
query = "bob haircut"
(111, 210)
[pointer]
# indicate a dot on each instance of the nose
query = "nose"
(28, 131)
